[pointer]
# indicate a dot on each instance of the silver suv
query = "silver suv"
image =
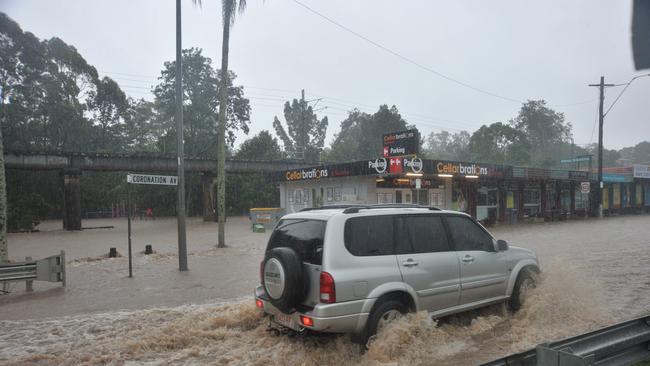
(353, 269)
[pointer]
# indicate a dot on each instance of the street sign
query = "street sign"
(161, 180)
(585, 187)
(166, 180)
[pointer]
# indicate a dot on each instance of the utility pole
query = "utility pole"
(601, 118)
(302, 114)
(180, 209)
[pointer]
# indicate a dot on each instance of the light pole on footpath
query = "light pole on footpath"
(601, 120)
(180, 209)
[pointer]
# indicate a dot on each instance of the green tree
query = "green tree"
(499, 144)
(304, 136)
(262, 146)
(546, 130)
(361, 134)
(639, 153)
(254, 190)
(142, 126)
(109, 105)
(447, 146)
(201, 84)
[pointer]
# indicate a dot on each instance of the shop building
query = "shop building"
(491, 193)
(626, 189)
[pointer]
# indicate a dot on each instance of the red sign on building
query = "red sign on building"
(395, 165)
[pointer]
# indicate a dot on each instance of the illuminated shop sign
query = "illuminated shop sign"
(396, 165)
(641, 171)
(307, 174)
(379, 165)
(460, 168)
(401, 143)
(415, 164)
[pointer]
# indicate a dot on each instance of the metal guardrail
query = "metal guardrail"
(622, 344)
(51, 269)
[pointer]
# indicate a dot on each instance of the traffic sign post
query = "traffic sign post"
(164, 180)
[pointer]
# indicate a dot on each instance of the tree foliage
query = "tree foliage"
(262, 146)
(201, 83)
(361, 134)
(500, 144)
(447, 146)
(546, 131)
(304, 136)
(53, 99)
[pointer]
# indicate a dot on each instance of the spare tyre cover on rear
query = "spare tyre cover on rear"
(283, 278)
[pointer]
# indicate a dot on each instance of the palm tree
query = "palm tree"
(228, 11)
(4, 256)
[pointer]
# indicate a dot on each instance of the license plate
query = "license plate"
(285, 320)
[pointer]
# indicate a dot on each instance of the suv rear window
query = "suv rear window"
(303, 236)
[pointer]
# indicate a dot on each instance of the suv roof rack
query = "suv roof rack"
(328, 207)
(355, 208)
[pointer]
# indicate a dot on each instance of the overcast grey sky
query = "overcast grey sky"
(517, 49)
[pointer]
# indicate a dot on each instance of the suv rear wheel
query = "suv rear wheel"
(379, 318)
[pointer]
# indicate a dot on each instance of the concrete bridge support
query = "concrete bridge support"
(209, 203)
(71, 199)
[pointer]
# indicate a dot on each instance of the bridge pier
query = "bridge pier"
(208, 181)
(71, 199)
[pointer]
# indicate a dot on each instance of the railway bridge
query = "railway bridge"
(72, 164)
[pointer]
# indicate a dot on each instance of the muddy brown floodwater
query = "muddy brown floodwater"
(594, 274)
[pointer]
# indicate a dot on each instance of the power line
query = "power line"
(623, 91)
(407, 59)
(593, 129)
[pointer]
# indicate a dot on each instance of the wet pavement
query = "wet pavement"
(596, 273)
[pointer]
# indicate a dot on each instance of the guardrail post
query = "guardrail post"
(63, 278)
(29, 284)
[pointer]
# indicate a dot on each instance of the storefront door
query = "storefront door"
(438, 198)
(403, 196)
(420, 197)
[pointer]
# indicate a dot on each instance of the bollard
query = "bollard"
(29, 284)
(148, 249)
(112, 253)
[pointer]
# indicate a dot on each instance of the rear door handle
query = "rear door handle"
(468, 259)
(409, 263)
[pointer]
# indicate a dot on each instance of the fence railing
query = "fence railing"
(625, 343)
(51, 269)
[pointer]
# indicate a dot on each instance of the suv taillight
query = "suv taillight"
(327, 288)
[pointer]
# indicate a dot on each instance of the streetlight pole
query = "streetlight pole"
(601, 119)
(180, 209)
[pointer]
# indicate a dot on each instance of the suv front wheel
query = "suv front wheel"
(524, 284)
(380, 316)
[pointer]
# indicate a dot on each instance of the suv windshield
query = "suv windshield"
(303, 236)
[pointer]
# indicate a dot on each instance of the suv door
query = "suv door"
(483, 270)
(427, 261)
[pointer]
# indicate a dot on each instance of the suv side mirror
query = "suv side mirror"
(502, 245)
